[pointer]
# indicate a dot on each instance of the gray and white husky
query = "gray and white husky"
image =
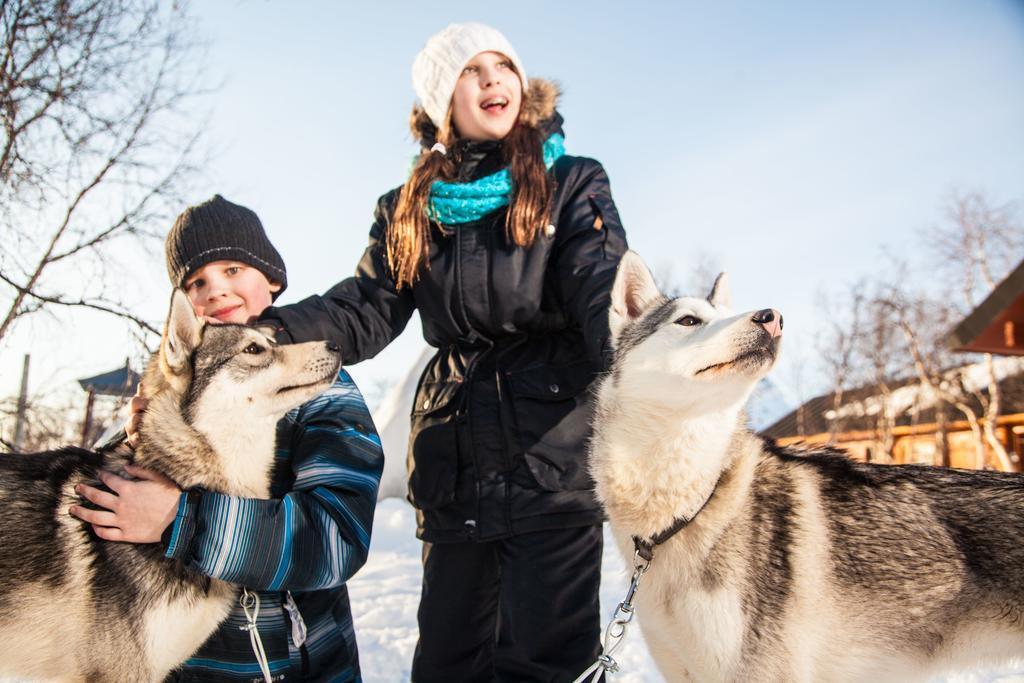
(77, 608)
(785, 564)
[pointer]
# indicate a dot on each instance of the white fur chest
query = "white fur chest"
(692, 633)
(176, 627)
(245, 450)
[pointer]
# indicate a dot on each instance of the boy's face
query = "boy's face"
(229, 291)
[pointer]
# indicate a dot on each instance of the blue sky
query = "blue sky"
(792, 144)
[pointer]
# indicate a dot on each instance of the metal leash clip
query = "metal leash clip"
(615, 632)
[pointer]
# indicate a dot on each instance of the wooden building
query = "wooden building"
(906, 424)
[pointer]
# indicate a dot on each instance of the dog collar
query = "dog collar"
(645, 548)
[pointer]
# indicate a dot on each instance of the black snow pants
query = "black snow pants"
(523, 608)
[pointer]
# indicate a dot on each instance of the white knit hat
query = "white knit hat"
(438, 65)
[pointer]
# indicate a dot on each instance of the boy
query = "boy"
(293, 552)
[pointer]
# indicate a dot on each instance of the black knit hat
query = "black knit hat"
(218, 230)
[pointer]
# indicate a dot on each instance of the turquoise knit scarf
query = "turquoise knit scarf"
(455, 203)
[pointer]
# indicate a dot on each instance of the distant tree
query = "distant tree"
(859, 347)
(975, 247)
(879, 345)
(95, 144)
(894, 326)
(923, 322)
(967, 254)
(55, 421)
(837, 349)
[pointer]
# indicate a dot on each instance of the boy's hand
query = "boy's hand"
(136, 512)
(137, 406)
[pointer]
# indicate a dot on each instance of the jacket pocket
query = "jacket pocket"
(553, 412)
(434, 445)
(607, 222)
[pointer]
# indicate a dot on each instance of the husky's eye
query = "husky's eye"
(253, 348)
(689, 321)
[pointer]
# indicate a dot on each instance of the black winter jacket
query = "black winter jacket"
(501, 414)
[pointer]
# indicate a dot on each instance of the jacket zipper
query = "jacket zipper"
(470, 333)
(471, 526)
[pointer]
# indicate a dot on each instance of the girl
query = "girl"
(508, 248)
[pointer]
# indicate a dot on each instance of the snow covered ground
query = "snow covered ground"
(386, 591)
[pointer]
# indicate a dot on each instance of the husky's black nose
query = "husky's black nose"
(770, 320)
(332, 347)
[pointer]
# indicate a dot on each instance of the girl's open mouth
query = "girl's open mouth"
(495, 105)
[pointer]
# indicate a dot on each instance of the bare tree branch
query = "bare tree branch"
(40, 301)
(898, 330)
(92, 94)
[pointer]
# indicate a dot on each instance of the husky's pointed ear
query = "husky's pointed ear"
(182, 333)
(721, 296)
(633, 293)
(268, 331)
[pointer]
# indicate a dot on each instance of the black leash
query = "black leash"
(113, 442)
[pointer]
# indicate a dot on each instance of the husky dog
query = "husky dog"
(77, 608)
(775, 564)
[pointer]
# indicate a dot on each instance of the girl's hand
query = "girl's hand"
(136, 511)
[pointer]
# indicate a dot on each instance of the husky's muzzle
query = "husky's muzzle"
(761, 350)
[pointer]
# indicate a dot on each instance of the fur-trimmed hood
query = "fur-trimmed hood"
(539, 103)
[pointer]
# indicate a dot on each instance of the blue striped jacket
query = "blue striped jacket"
(294, 551)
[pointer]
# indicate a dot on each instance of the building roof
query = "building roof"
(997, 324)
(120, 382)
